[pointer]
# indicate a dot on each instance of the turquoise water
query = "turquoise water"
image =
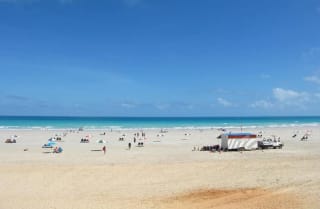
(34, 122)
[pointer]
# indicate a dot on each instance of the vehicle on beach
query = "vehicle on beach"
(239, 141)
(270, 142)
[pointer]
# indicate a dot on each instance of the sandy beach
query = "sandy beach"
(159, 104)
(164, 173)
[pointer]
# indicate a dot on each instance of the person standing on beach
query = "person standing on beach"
(104, 149)
(129, 146)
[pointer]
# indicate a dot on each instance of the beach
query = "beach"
(164, 173)
(140, 104)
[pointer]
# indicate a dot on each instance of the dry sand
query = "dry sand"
(165, 173)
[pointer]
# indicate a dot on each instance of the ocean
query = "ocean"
(97, 123)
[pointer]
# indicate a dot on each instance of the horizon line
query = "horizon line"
(88, 116)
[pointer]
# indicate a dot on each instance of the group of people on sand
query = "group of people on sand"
(140, 144)
(13, 139)
(10, 141)
(84, 140)
(143, 134)
(305, 137)
(135, 138)
(57, 150)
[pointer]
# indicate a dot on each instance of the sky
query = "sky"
(160, 57)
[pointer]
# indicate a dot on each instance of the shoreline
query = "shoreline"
(308, 125)
(151, 123)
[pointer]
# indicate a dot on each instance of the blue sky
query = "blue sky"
(159, 58)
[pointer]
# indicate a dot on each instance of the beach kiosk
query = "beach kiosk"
(239, 141)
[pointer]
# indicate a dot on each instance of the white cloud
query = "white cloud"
(290, 97)
(262, 104)
(313, 79)
(283, 94)
(128, 105)
(224, 102)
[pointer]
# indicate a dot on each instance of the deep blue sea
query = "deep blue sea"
(35, 122)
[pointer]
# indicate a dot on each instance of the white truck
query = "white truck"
(270, 142)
